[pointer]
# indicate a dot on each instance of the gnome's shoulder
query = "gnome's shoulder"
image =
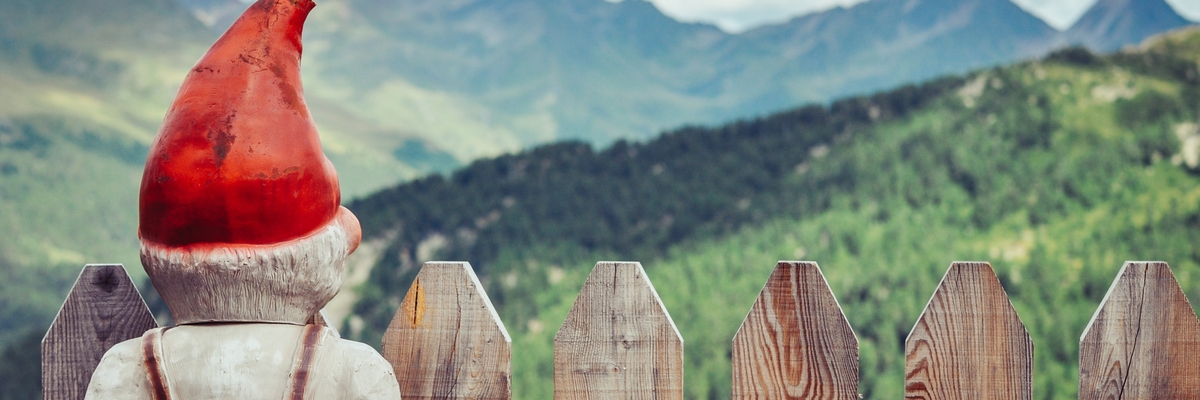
(121, 374)
(354, 370)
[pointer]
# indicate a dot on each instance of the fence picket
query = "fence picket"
(618, 341)
(446, 340)
(103, 308)
(969, 342)
(1143, 342)
(795, 342)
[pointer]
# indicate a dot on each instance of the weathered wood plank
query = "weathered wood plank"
(969, 342)
(618, 341)
(1144, 340)
(795, 343)
(104, 308)
(446, 340)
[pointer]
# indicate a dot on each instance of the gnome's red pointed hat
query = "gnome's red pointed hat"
(239, 211)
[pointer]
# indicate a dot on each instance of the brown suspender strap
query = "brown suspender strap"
(298, 381)
(152, 358)
(306, 355)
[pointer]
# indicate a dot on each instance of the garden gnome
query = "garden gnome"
(243, 236)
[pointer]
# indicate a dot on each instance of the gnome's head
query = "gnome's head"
(240, 210)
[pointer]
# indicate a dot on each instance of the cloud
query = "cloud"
(1059, 14)
(1189, 9)
(740, 15)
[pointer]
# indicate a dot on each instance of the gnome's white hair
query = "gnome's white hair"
(286, 282)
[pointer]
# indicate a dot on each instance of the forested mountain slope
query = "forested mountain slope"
(1056, 170)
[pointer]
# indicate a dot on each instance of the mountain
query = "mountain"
(522, 72)
(493, 76)
(1111, 24)
(1057, 170)
(467, 79)
(882, 43)
(534, 71)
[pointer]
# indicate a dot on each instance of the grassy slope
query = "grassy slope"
(80, 106)
(1056, 171)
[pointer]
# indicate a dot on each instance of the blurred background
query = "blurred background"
(706, 139)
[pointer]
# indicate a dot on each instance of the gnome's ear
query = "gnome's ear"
(349, 222)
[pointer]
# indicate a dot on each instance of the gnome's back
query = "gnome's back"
(243, 362)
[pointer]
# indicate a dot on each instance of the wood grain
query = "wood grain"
(969, 342)
(795, 343)
(1144, 340)
(103, 308)
(446, 340)
(618, 341)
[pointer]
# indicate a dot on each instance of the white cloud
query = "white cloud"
(1189, 9)
(1059, 14)
(740, 15)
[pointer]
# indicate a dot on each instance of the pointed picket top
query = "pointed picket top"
(1144, 340)
(969, 342)
(446, 340)
(104, 308)
(795, 342)
(618, 341)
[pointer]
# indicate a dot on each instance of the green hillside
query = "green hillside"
(80, 104)
(1056, 171)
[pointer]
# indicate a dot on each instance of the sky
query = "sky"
(739, 15)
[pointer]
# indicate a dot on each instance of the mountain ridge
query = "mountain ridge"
(908, 41)
(1110, 24)
(599, 71)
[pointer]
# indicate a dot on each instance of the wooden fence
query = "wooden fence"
(618, 341)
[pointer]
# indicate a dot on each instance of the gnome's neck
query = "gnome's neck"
(286, 283)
